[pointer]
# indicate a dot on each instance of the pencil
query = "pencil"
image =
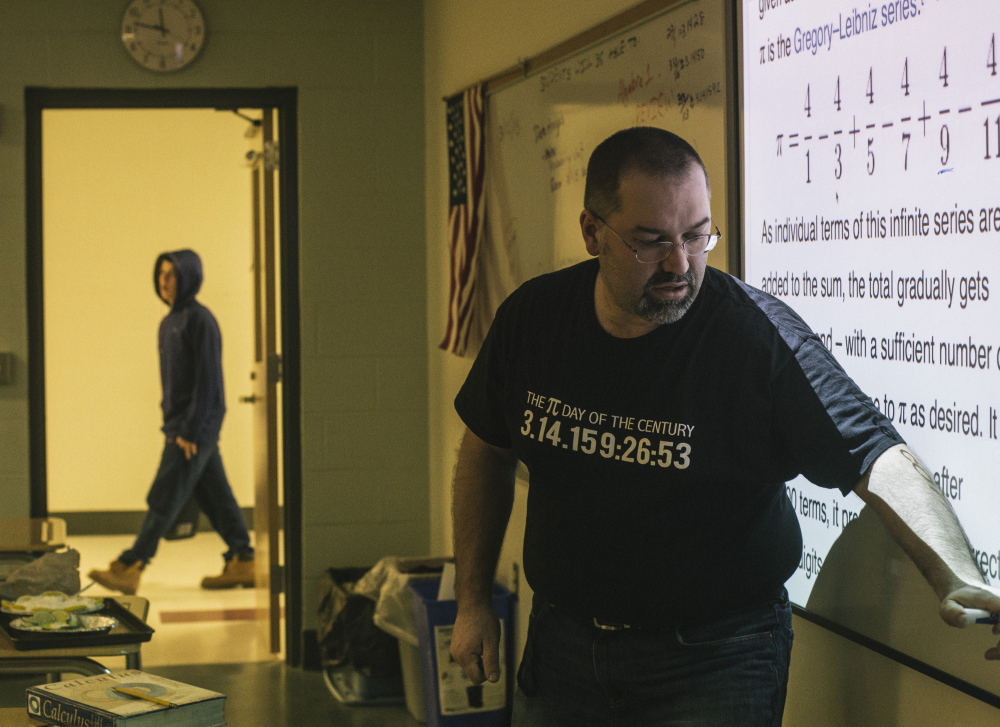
(140, 695)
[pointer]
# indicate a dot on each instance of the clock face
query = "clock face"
(163, 35)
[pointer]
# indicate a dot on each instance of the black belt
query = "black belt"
(608, 624)
(611, 625)
(665, 625)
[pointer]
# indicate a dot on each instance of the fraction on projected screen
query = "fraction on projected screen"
(885, 137)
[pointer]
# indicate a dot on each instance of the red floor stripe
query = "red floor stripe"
(221, 614)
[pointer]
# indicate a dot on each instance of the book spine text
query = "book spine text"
(43, 707)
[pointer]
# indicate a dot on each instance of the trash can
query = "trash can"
(451, 700)
(367, 635)
(360, 661)
(394, 614)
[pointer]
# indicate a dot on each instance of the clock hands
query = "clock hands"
(151, 27)
(164, 31)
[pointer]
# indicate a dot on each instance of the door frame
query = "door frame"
(285, 100)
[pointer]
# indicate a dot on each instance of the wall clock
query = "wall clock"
(163, 35)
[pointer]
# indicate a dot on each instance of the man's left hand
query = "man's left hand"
(972, 596)
(190, 449)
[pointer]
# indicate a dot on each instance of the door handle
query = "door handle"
(248, 399)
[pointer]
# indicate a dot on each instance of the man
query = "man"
(660, 406)
(193, 408)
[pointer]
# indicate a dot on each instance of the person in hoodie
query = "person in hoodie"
(193, 408)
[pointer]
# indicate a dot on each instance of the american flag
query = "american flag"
(466, 145)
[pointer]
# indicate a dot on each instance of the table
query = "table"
(75, 660)
(14, 717)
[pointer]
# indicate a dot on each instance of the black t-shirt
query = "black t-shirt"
(658, 464)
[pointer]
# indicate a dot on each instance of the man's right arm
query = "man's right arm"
(482, 499)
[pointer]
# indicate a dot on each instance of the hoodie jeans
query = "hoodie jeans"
(176, 480)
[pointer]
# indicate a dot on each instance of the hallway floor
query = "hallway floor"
(208, 638)
(193, 626)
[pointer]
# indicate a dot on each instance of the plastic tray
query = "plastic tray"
(130, 630)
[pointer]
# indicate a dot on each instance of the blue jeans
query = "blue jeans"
(176, 480)
(729, 672)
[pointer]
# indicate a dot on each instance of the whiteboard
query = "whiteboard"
(871, 137)
(669, 71)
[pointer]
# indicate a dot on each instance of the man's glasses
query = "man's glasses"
(653, 252)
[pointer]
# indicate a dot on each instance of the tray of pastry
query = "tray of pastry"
(110, 625)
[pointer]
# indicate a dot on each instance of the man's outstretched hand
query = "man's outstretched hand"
(972, 596)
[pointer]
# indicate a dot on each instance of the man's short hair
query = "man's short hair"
(646, 149)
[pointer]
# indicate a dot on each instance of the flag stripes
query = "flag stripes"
(466, 224)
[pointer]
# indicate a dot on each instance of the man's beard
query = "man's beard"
(661, 312)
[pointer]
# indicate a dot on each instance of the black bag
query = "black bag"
(346, 633)
(185, 525)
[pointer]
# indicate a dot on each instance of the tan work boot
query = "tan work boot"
(119, 577)
(236, 573)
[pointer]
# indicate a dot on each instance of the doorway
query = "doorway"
(152, 212)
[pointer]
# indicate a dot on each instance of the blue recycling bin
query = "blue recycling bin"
(451, 699)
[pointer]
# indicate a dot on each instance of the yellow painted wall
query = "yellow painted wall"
(121, 186)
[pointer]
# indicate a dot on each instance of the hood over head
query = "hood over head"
(187, 271)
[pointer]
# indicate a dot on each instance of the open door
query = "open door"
(278, 515)
(266, 382)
